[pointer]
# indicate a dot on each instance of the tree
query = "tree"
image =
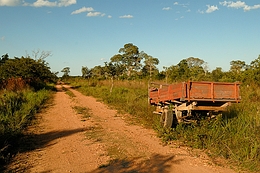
(173, 73)
(40, 56)
(183, 70)
(4, 58)
(255, 64)
(129, 58)
(187, 69)
(166, 73)
(197, 68)
(236, 70)
(30, 70)
(86, 72)
(117, 59)
(217, 74)
(237, 66)
(119, 67)
(252, 72)
(25, 68)
(65, 71)
(110, 72)
(150, 64)
(194, 62)
(98, 72)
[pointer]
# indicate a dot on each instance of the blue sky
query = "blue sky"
(89, 32)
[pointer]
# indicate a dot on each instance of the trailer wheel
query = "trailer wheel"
(167, 118)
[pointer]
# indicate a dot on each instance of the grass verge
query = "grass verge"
(17, 110)
(233, 135)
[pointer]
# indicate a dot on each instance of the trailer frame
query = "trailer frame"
(181, 102)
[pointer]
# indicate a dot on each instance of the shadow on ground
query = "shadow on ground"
(33, 142)
(156, 163)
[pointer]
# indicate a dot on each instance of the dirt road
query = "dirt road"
(79, 134)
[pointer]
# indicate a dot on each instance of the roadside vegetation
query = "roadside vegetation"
(25, 86)
(124, 81)
(233, 136)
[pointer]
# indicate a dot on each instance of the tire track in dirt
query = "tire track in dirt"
(102, 143)
(60, 144)
(138, 149)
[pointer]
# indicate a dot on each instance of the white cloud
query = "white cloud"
(126, 16)
(66, 2)
(10, 2)
(47, 3)
(224, 3)
(231, 4)
(248, 8)
(90, 10)
(239, 4)
(82, 10)
(183, 5)
(211, 8)
(42, 3)
(109, 16)
(2, 38)
(201, 12)
(95, 14)
(166, 8)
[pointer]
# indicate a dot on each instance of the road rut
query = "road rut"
(101, 142)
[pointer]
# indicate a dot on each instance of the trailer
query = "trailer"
(188, 101)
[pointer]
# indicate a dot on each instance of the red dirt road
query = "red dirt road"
(101, 142)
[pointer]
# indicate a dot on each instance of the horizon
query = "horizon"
(89, 33)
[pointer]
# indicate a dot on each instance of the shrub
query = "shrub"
(234, 135)
(17, 109)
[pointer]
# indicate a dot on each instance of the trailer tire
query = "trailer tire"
(167, 118)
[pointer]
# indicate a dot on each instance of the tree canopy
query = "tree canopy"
(131, 63)
(25, 68)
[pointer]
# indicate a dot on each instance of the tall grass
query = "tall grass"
(234, 135)
(17, 109)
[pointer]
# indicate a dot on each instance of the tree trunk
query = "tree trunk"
(112, 85)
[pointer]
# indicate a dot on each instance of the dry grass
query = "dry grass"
(233, 136)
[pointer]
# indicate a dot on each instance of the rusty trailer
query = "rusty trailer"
(182, 102)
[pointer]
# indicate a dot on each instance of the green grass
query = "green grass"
(127, 97)
(234, 135)
(85, 112)
(17, 110)
(68, 92)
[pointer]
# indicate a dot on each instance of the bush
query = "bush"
(17, 109)
(234, 135)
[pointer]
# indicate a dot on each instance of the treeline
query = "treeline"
(130, 63)
(24, 88)
(17, 73)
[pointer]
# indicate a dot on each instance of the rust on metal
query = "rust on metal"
(196, 91)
